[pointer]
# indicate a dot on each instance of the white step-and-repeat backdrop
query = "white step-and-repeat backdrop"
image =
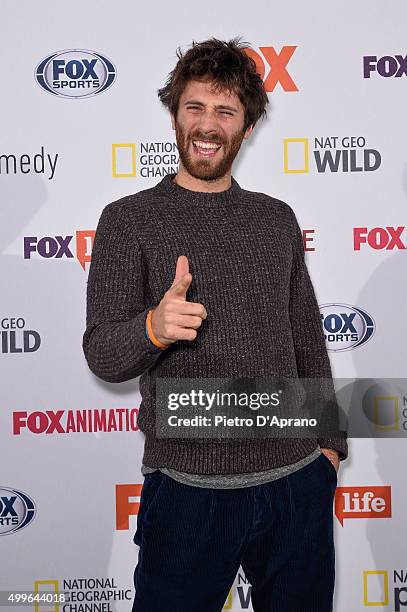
(81, 125)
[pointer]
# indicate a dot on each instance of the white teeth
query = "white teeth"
(206, 145)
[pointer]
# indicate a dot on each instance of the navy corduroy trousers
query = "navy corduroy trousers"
(192, 541)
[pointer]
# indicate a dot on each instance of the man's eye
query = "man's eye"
(222, 112)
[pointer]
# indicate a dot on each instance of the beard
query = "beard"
(209, 169)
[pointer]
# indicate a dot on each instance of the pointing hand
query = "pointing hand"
(175, 318)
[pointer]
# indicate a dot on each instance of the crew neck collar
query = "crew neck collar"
(201, 198)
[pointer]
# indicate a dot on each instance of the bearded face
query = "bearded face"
(209, 130)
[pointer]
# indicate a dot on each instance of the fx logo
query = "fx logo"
(277, 63)
(124, 506)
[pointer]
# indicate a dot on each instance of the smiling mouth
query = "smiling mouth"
(205, 148)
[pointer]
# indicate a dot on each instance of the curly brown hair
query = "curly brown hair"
(227, 67)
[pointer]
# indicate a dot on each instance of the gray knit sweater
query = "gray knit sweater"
(246, 256)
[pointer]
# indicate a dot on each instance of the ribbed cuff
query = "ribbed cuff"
(338, 444)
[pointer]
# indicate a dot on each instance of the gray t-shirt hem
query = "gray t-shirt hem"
(234, 481)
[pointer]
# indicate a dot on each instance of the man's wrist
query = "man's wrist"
(150, 334)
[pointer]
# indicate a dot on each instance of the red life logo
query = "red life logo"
(362, 502)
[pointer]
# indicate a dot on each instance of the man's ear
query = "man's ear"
(249, 131)
(172, 121)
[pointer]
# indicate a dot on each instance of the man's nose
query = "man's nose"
(208, 122)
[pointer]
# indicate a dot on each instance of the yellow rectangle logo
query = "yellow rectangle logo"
(124, 160)
(296, 150)
(386, 412)
(375, 590)
(39, 587)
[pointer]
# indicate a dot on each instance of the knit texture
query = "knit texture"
(246, 257)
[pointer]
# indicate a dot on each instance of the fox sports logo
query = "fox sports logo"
(75, 73)
(17, 510)
(346, 327)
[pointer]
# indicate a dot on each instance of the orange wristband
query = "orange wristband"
(150, 331)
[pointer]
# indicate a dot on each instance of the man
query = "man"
(199, 278)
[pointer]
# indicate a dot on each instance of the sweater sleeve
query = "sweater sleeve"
(308, 336)
(114, 342)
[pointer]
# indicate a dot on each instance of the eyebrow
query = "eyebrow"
(217, 106)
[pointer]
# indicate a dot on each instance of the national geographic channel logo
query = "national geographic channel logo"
(382, 587)
(79, 594)
(333, 154)
(243, 590)
(384, 405)
(59, 247)
(144, 160)
(15, 338)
